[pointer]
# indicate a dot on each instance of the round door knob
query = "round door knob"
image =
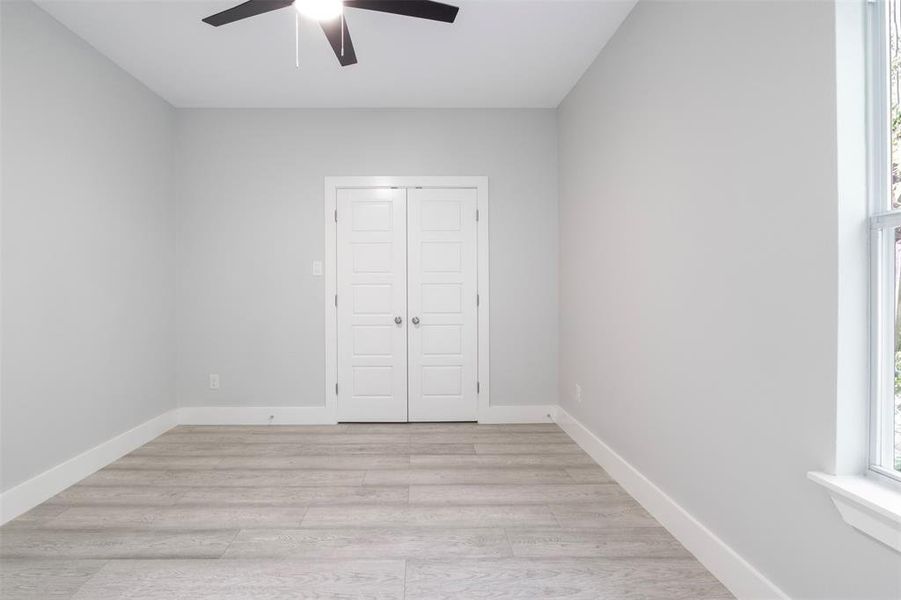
(415, 320)
(398, 320)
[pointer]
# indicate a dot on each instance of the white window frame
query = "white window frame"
(883, 222)
(867, 496)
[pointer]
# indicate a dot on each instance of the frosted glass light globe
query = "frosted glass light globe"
(320, 10)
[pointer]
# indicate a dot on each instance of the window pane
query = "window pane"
(894, 63)
(892, 413)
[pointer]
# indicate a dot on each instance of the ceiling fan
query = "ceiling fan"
(330, 14)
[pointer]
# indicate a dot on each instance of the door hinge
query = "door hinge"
(478, 386)
(477, 300)
(336, 215)
(477, 214)
(336, 389)
(336, 299)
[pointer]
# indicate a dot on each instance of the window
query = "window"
(884, 71)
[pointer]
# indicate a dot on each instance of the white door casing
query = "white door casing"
(436, 387)
(371, 296)
(442, 288)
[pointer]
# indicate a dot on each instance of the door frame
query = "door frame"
(330, 272)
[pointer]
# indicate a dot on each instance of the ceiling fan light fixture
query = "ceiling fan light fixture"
(320, 10)
(328, 12)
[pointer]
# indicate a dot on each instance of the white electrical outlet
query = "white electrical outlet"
(578, 393)
(214, 381)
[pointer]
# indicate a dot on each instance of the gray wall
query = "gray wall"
(698, 276)
(250, 223)
(87, 247)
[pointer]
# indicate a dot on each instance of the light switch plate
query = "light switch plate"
(317, 268)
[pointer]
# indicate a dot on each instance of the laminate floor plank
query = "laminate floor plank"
(478, 437)
(165, 463)
(572, 579)
(501, 460)
(417, 428)
(465, 476)
(179, 517)
(592, 474)
(113, 543)
(265, 449)
(36, 517)
(155, 448)
(638, 542)
(566, 448)
(41, 579)
(296, 496)
(429, 516)
(227, 517)
(242, 477)
(288, 438)
(399, 542)
(512, 494)
(364, 462)
(246, 580)
(118, 495)
(425, 448)
(610, 511)
(125, 478)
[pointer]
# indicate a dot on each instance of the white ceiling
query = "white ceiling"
(499, 53)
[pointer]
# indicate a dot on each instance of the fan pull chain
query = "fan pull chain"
(342, 36)
(296, 41)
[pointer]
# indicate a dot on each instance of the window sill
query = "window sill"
(866, 505)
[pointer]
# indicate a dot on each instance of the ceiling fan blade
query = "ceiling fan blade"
(333, 32)
(251, 8)
(423, 9)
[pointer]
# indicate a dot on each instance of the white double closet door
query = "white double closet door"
(407, 304)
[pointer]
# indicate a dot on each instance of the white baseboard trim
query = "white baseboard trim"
(737, 574)
(253, 415)
(321, 415)
(542, 413)
(25, 496)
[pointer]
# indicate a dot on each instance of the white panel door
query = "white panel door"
(372, 297)
(442, 279)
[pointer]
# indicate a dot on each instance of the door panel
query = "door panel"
(372, 291)
(442, 280)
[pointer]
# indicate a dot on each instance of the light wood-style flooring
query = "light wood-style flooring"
(414, 512)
